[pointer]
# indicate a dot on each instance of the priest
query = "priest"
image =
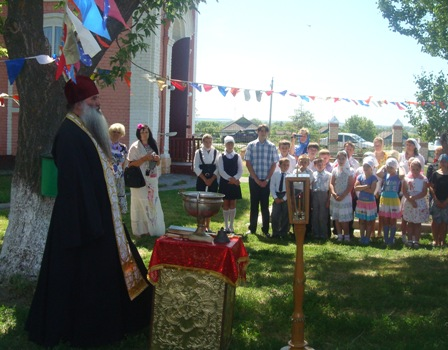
(92, 287)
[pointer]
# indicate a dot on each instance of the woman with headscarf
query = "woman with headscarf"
(341, 185)
(411, 151)
(146, 210)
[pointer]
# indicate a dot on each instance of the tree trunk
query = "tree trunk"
(42, 108)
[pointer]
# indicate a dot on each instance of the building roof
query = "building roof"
(240, 124)
(385, 135)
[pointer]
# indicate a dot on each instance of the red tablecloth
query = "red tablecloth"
(226, 261)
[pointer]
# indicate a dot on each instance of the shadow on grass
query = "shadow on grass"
(352, 301)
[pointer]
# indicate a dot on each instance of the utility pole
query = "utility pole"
(270, 107)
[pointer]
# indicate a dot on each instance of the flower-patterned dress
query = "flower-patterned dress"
(343, 210)
(421, 213)
(119, 153)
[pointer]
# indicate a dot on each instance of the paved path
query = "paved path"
(166, 182)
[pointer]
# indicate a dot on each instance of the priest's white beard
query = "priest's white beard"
(96, 123)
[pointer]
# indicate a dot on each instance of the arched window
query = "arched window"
(53, 31)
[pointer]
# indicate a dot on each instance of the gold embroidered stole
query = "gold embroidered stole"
(134, 280)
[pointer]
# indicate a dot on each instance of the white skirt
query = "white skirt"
(146, 210)
(341, 211)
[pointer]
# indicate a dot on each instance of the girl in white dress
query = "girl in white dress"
(415, 205)
(341, 186)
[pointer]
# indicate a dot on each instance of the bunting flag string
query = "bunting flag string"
(14, 66)
(4, 97)
(79, 45)
(368, 102)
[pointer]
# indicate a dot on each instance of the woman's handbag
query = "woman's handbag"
(133, 177)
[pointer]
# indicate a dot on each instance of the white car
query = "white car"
(343, 137)
(432, 145)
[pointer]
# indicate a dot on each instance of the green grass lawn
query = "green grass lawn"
(356, 297)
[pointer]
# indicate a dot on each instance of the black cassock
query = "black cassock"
(81, 296)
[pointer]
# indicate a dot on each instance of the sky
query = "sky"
(323, 48)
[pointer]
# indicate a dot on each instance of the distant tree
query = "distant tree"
(430, 119)
(209, 127)
(303, 119)
(257, 122)
(362, 126)
(427, 22)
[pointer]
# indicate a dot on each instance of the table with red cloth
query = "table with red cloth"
(226, 260)
(195, 292)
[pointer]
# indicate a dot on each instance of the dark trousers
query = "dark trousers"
(259, 196)
(280, 218)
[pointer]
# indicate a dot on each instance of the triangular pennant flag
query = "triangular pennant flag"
(269, 93)
(14, 67)
(305, 98)
(398, 105)
(85, 58)
(88, 42)
(103, 71)
(127, 79)
(336, 99)
(113, 10)
(247, 95)
(161, 83)
(354, 101)
(70, 49)
(207, 87)
(223, 90)
(60, 63)
(258, 94)
(197, 86)
(91, 17)
(293, 94)
(312, 97)
(362, 103)
(44, 59)
(234, 91)
(178, 85)
(102, 42)
(283, 93)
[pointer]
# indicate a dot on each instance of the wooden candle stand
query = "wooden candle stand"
(298, 197)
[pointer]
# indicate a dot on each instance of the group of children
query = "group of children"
(341, 191)
(344, 193)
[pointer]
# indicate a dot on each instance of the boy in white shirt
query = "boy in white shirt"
(284, 147)
(280, 220)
